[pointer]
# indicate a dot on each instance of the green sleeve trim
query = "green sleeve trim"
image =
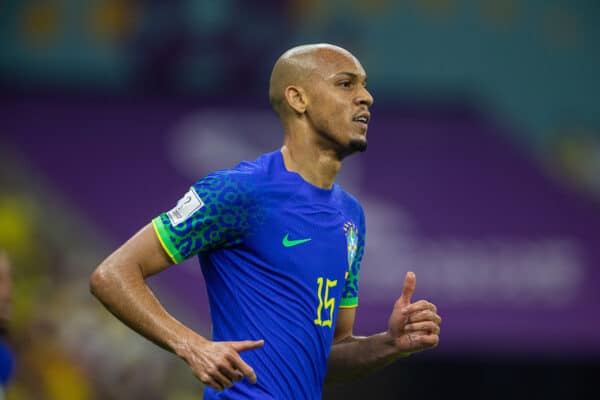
(351, 302)
(165, 242)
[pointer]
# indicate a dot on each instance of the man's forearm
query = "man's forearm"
(123, 291)
(359, 356)
(120, 284)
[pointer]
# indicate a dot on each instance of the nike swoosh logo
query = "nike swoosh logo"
(289, 243)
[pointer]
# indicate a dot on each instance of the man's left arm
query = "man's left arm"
(412, 327)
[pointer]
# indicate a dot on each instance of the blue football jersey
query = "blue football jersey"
(280, 257)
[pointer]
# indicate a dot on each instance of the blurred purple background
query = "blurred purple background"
(481, 174)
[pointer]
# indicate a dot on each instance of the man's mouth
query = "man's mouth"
(362, 118)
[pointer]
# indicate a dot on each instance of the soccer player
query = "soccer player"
(280, 246)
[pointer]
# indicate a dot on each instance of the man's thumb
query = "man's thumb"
(410, 282)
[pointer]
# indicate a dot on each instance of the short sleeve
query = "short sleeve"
(355, 239)
(217, 211)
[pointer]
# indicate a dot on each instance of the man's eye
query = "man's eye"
(346, 84)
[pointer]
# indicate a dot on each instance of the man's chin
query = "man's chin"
(358, 145)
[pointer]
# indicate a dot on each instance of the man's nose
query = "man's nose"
(364, 97)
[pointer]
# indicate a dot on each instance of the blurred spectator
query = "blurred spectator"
(61, 344)
(6, 354)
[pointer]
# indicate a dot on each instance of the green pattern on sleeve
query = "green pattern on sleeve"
(228, 213)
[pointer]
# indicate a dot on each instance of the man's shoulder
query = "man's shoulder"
(346, 196)
(349, 201)
(245, 169)
(246, 176)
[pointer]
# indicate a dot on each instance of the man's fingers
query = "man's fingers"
(245, 369)
(422, 340)
(420, 305)
(237, 375)
(208, 380)
(429, 340)
(216, 385)
(410, 282)
(216, 378)
(427, 326)
(236, 361)
(246, 345)
(425, 315)
(222, 378)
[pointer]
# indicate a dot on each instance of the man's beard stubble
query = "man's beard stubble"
(357, 145)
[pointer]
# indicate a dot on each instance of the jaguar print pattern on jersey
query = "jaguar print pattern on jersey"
(229, 213)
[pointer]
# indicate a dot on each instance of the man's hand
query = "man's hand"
(413, 327)
(218, 364)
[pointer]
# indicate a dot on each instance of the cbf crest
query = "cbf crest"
(351, 241)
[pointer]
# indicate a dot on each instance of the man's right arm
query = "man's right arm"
(119, 283)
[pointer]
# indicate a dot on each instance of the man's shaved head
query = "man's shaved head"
(297, 66)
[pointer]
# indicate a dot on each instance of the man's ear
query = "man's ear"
(296, 98)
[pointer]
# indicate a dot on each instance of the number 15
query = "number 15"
(325, 301)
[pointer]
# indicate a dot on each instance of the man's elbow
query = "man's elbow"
(100, 280)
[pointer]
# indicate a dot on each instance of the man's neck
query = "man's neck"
(316, 166)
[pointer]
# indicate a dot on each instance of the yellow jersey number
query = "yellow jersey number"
(325, 302)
